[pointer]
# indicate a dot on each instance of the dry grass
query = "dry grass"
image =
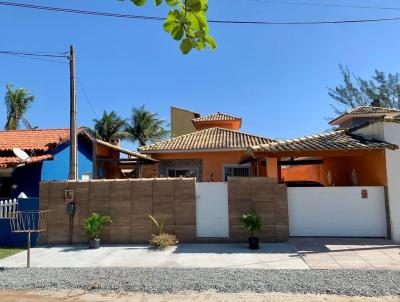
(163, 240)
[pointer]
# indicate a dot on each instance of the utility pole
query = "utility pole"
(73, 163)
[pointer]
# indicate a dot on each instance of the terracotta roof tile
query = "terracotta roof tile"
(216, 117)
(208, 139)
(331, 141)
(370, 109)
(367, 111)
(6, 162)
(38, 139)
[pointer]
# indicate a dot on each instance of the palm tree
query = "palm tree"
(144, 127)
(17, 102)
(108, 128)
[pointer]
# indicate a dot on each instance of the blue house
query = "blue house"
(49, 159)
(48, 151)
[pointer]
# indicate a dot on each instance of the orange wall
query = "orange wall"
(371, 170)
(111, 168)
(212, 161)
(232, 125)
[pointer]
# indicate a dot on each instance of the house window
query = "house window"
(236, 171)
(183, 173)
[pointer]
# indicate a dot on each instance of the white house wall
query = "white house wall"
(389, 132)
(392, 135)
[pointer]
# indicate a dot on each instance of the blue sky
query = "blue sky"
(275, 77)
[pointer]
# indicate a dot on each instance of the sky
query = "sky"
(274, 77)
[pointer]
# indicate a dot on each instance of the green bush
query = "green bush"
(251, 222)
(94, 225)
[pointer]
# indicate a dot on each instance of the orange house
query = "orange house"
(342, 157)
(210, 150)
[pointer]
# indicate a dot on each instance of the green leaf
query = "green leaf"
(194, 23)
(174, 14)
(169, 25)
(177, 32)
(172, 2)
(139, 2)
(186, 46)
(194, 5)
(201, 19)
(158, 2)
(200, 44)
(211, 42)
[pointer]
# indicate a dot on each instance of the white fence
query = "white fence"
(7, 207)
(337, 211)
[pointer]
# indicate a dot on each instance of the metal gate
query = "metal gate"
(212, 210)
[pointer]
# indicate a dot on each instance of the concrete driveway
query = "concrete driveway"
(348, 253)
(270, 256)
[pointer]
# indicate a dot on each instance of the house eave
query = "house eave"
(193, 151)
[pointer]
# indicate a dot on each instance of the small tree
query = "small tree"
(380, 91)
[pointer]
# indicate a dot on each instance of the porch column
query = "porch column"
(272, 167)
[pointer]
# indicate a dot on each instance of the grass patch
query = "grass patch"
(6, 252)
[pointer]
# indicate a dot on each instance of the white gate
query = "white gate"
(212, 210)
(337, 211)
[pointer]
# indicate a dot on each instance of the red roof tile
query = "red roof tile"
(6, 162)
(39, 139)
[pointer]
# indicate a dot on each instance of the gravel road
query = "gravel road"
(338, 282)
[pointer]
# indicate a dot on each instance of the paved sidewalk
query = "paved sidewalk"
(270, 256)
(298, 253)
(348, 253)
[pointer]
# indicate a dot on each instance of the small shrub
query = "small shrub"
(251, 222)
(163, 241)
(94, 225)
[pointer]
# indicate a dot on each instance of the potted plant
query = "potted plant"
(251, 222)
(93, 227)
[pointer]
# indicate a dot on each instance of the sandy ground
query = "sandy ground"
(79, 296)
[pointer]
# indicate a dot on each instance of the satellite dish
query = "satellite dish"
(21, 154)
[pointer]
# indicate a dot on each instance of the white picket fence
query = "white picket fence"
(7, 207)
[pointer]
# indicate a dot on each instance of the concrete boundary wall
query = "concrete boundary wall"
(267, 198)
(128, 202)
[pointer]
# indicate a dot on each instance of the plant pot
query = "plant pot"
(94, 243)
(253, 243)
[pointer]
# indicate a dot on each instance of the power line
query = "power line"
(153, 18)
(32, 54)
(326, 5)
(32, 58)
(86, 97)
(42, 56)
